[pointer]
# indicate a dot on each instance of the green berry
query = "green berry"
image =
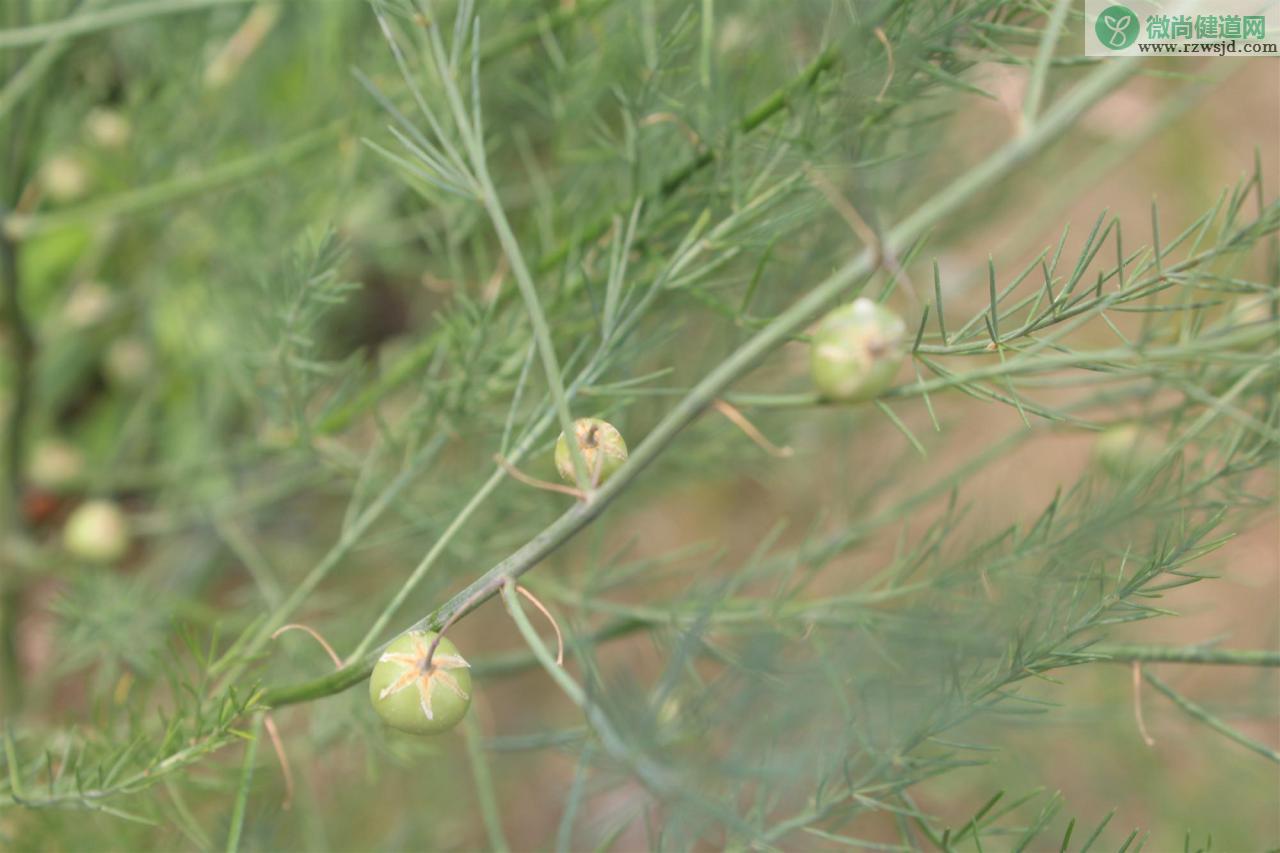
(1126, 450)
(602, 447)
(127, 362)
(64, 178)
(98, 531)
(107, 128)
(413, 697)
(55, 465)
(857, 350)
(88, 304)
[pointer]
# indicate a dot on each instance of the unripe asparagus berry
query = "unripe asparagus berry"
(1126, 449)
(416, 698)
(857, 350)
(64, 178)
(97, 531)
(127, 362)
(602, 447)
(55, 465)
(107, 128)
(89, 303)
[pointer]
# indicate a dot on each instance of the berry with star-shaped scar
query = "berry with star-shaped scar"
(602, 448)
(415, 696)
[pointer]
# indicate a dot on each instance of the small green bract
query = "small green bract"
(857, 350)
(603, 450)
(413, 697)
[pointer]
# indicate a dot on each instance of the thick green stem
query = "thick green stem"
(1124, 653)
(23, 346)
(514, 663)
